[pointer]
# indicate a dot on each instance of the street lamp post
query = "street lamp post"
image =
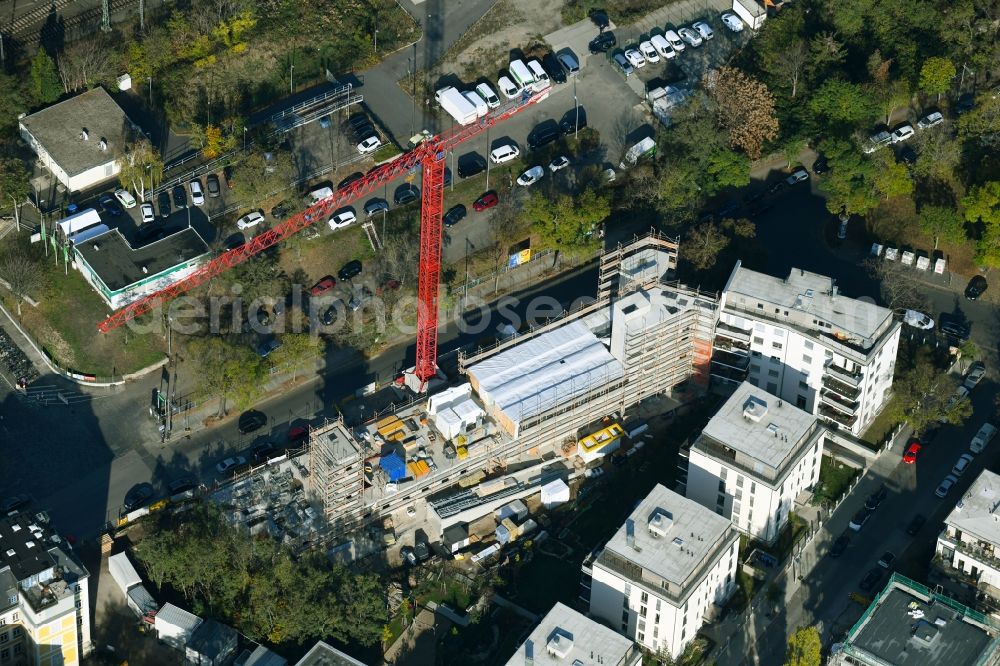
(376, 40)
(291, 79)
(150, 90)
(576, 108)
(244, 139)
(487, 157)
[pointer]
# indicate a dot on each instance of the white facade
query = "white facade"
(659, 576)
(799, 339)
(970, 541)
(752, 459)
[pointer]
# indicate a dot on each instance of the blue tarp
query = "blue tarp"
(394, 466)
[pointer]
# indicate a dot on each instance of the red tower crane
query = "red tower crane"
(430, 156)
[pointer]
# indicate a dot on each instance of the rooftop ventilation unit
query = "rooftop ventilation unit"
(679, 542)
(560, 644)
(102, 144)
(84, 134)
(659, 523)
(754, 409)
(773, 429)
(11, 552)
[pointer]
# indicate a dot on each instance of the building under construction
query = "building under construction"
(522, 404)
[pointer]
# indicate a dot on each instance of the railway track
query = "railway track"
(35, 23)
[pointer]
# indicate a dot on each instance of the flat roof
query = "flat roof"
(119, 265)
(57, 129)
(690, 535)
(903, 629)
(322, 654)
(978, 512)
(812, 293)
(759, 425)
(565, 636)
(178, 617)
(212, 639)
(24, 546)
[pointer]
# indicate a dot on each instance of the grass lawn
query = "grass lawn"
(448, 591)
(879, 428)
(65, 323)
(834, 478)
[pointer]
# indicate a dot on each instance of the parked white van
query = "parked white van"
(982, 438)
(319, 194)
(520, 73)
(663, 47)
(541, 78)
(475, 100)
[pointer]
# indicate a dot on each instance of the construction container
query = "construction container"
(462, 452)
(503, 535)
(174, 626)
(394, 466)
(511, 527)
(516, 510)
(390, 429)
(418, 468)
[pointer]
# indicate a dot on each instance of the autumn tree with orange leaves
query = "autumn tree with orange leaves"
(745, 109)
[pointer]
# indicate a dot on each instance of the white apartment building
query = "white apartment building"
(565, 637)
(659, 576)
(969, 545)
(45, 607)
(801, 340)
(753, 458)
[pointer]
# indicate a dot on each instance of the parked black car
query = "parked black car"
(876, 498)
(163, 203)
(405, 195)
(915, 525)
(110, 205)
(212, 185)
(871, 579)
(572, 121)
(353, 178)
(553, 68)
(821, 165)
(180, 197)
(954, 327)
(350, 270)
(471, 165)
(542, 136)
(182, 485)
(603, 42)
(251, 421)
(840, 545)
(454, 215)
(138, 496)
(977, 286)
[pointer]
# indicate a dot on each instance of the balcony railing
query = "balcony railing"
(728, 374)
(841, 388)
(838, 416)
(738, 361)
(987, 556)
(852, 378)
(837, 402)
(739, 334)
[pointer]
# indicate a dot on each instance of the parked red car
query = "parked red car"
(323, 286)
(298, 434)
(912, 450)
(487, 201)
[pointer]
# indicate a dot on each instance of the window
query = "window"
(5, 654)
(642, 624)
(19, 648)
(4, 637)
(751, 502)
(17, 632)
(625, 618)
(723, 473)
(807, 359)
(800, 402)
(644, 598)
(772, 387)
(739, 479)
(739, 495)
(657, 620)
(756, 354)
(758, 341)
(760, 306)
(776, 345)
(656, 634)
(776, 359)
(753, 487)
(642, 637)
(722, 486)
(803, 385)
(807, 344)
(772, 373)
(754, 367)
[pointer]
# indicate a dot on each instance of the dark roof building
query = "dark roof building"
(909, 625)
(79, 139)
(211, 644)
(122, 274)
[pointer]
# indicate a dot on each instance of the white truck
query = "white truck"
(457, 106)
(663, 100)
(645, 148)
(751, 12)
(982, 438)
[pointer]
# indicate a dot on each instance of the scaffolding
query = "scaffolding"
(337, 469)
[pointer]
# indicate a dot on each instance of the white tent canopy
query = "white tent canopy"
(552, 369)
(555, 493)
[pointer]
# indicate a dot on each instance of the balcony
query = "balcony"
(738, 334)
(849, 407)
(852, 378)
(732, 345)
(985, 554)
(841, 388)
(837, 416)
(736, 361)
(727, 374)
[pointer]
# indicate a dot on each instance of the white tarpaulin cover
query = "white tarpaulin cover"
(448, 423)
(122, 572)
(555, 493)
(551, 369)
(445, 399)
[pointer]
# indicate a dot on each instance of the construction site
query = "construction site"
(525, 417)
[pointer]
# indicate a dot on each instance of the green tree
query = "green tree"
(703, 244)
(936, 76)
(842, 103)
(226, 371)
(676, 193)
(45, 84)
(982, 203)
(804, 648)
(12, 102)
(943, 223)
(140, 167)
(297, 351)
(726, 169)
(923, 394)
(890, 178)
(982, 123)
(23, 274)
(849, 185)
(256, 178)
(567, 224)
(15, 185)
